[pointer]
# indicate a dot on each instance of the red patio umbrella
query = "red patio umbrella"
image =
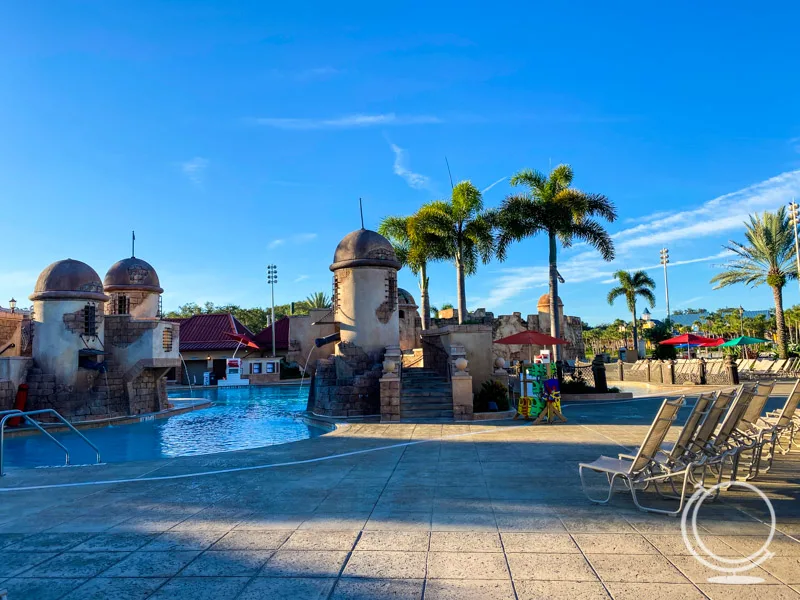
(242, 339)
(531, 338)
(688, 339)
(714, 343)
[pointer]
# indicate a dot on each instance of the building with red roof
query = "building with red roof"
(206, 341)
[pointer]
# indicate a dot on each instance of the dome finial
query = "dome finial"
(133, 244)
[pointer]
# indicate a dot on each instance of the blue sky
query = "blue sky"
(232, 135)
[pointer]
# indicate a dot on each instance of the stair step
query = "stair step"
(426, 414)
(443, 406)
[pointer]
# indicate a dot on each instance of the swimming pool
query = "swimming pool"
(240, 418)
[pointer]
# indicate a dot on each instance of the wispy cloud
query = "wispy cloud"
(722, 214)
(486, 189)
(298, 238)
(794, 144)
(346, 122)
(414, 180)
(300, 278)
(195, 169)
(691, 261)
(690, 301)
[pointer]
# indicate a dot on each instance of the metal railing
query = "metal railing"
(27, 416)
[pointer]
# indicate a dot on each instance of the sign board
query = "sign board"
(544, 357)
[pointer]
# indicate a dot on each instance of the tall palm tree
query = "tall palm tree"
(562, 213)
(463, 230)
(318, 300)
(414, 249)
(631, 286)
(767, 256)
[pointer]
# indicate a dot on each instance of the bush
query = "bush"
(290, 371)
(576, 386)
(491, 391)
(664, 352)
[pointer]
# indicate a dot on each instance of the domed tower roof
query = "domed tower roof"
(132, 274)
(403, 297)
(544, 303)
(364, 248)
(69, 280)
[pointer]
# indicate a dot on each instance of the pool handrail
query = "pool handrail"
(27, 416)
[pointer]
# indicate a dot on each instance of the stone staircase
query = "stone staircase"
(425, 396)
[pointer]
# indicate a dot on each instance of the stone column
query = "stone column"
(701, 367)
(620, 370)
(649, 364)
(732, 370)
(599, 372)
(391, 385)
(462, 390)
(669, 372)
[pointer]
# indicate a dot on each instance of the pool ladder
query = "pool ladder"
(5, 415)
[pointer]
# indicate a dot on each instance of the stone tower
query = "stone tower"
(365, 293)
(134, 288)
(68, 320)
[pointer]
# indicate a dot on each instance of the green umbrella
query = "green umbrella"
(744, 341)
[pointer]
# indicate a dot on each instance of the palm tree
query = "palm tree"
(768, 257)
(317, 300)
(551, 207)
(414, 249)
(462, 229)
(630, 286)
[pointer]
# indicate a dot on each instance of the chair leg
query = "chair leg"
(670, 513)
(610, 487)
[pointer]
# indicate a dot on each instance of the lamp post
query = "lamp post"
(665, 262)
(794, 216)
(12, 304)
(741, 328)
(272, 279)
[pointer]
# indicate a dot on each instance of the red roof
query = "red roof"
(208, 332)
(264, 337)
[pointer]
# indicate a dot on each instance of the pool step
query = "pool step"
(425, 396)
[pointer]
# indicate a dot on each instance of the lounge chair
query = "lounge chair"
(644, 468)
(768, 430)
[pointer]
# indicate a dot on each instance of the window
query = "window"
(122, 304)
(255, 368)
(90, 320)
(270, 367)
(166, 339)
(402, 314)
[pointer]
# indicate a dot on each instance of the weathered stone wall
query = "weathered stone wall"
(122, 331)
(410, 326)
(76, 321)
(8, 329)
(505, 325)
(7, 394)
(390, 398)
(347, 385)
(147, 393)
(302, 335)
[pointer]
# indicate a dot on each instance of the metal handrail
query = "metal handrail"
(9, 414)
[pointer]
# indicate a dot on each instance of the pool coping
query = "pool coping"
(187, 405)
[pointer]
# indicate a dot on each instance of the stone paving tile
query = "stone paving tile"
(376, 588)
(183, 540)
(466, 589)
(656, 569)
(8, 539)
(304, 563)
(287, 588)
(550, 543)
(114, 542)
(675, 546)
(151, 564)
(465, 541)
(48, 542)
(145, 525)
(92, 523)
(201, 588)
(613, 543)
(560, 590)
(748, 592)
(749, 544)
(272, 522)
(653, 591)
(101, 588)
(336, 521)
(730, 527)
(400, 541)
(466, 565)
(697, 572)
(604, 524)
(399, 521)
(227, 563)
(452, 521)
(515, 522)
(784, 568)
(386, 565)
(251, 540)
(40, 589)
(76, 565)
(549, 567)
(309, 539)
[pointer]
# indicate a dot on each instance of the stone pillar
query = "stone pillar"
(649, 364)
(500, 374)
(732, 370)
(391, 385)
(620, 370)
(701, 367)
(669, 372)
(599, 372)
(462, 390)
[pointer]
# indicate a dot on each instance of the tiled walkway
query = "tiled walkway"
(495, 515)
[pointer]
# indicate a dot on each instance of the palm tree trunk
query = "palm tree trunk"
(780, 325)
(554, 316)
(635, 335)
(462, 297)
(424, 301)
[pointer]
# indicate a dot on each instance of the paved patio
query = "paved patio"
(481, 511)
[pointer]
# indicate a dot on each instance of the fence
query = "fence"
(579, 373)
(675, 372)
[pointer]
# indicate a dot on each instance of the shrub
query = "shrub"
(491, 391)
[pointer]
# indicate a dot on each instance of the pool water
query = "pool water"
(240, 418)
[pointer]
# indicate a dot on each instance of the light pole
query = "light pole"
(12, 304)
(793, 217)
(665, 262)
(741, 328)
(272, 279)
